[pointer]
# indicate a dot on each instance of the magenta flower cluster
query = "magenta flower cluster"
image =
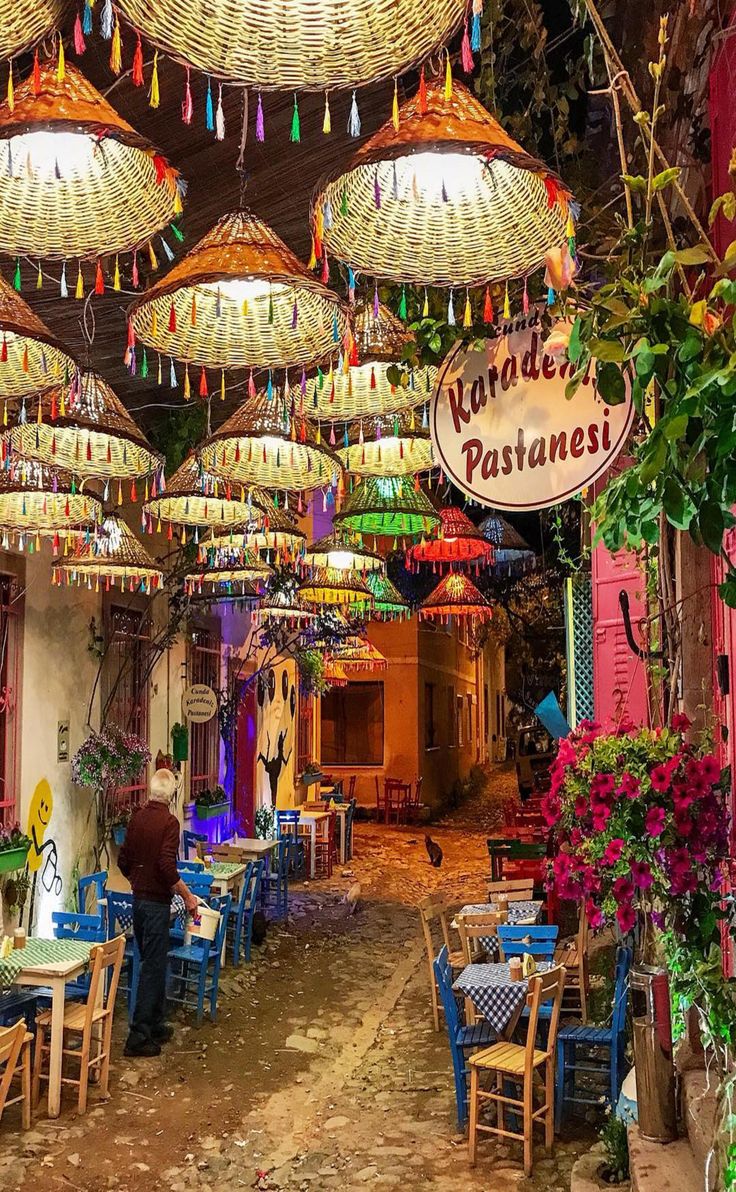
(640, 819)
(109, 759)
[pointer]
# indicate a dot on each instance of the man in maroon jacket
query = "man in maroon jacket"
(148, 860)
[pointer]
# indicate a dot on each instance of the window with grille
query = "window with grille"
(11, 642)
(126, 682)
(204, 653)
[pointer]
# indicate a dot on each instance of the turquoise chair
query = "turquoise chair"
(462, 1039)
(189, 842)
(120, 922)
(275, 885)
(288, 818)
(240, 924)
(200, 884)
(194, 969)
(537, 940)
(97, 883)
(68, 925)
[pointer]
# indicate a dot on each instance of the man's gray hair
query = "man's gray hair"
(163, 786)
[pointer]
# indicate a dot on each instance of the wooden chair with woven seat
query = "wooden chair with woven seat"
(472, 929)
(520, 889)
(573, 955)
(91, 1019)
(432, 911)
(519, 1064)
(15, 1061)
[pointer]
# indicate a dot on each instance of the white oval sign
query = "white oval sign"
(199, 703)
(506, 434)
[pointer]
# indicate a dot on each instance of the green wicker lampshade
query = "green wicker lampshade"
(388, 507)
(76, 179)
(25, 22)
(31, 359)
(260, 444)
(297, 43)
(387, 446)
(388, 603)
(459, 543)
(86, 429)
(37, 499)
(194, 498)
(240, 299)
(114, 556)
(344, 394)
(342, 551)
(455, 596)
(327, 585)
(447, 198)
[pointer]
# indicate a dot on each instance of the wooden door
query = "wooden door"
(619, 676)
(246, 737)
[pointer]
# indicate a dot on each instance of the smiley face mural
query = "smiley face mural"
(42, 854)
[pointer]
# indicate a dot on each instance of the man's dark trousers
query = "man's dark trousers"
(151, 927)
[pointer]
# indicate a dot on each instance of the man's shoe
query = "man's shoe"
(163, 1033)
(142, 1047)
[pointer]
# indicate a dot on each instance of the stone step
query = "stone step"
(699, 1105)
(658, 1168)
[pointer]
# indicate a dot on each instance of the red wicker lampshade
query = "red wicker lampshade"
(455, 596)
(459, 543)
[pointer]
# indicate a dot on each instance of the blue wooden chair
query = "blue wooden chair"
(349, 817)
(120, 922)
(287, 824)
(275, 885)
(20, 1002)
(538, 940)
(68, 925)
(96, 883)
(461, 1038)
(595, 1039)
(194, 969)
(200, 884)
(189, 842)
(240, 923)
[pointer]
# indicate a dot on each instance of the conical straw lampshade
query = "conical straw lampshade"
(37, 499)
(31, 358)
(358, 654)
(260, 445)
(75, 179)
(343, 396)
(327, 585)
(240, 299)
(25, 22)
(458, 543)
(445, 199)
(388, 603)
(194, 498)
(388, 507)
(509, 546)
(85, 428)
(277, 536)
(115, 556)
(342, 551)
(455, 596)
(284, 606)
(232, 572)
(297, 43)
(392, 445)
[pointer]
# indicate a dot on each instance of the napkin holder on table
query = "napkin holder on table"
(528, 965)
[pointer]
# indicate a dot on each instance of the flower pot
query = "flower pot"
(13, 858)
(655, 1072)
(180, 746)
(118, 834)
(211, 810)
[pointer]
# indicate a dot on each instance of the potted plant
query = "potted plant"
(180, 742)
(312, 773)
(643, 833)
(119, 825)
(107, 761)
(210, 804)
(14, 846)
(264, 822)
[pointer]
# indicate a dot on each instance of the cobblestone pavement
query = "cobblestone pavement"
(322, 1070)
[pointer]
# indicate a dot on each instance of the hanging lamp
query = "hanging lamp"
(334, 673)
(228, 572)
(387, 445)
(283, 607)
(35, 498)
(342, 551)
(31, 358)
(85, 428)
(76, 180)
(194, 498)
(261, 444)
(240, 299)
(327, 585)
(343, 395)
(442, 197)
(509, 546)
(459, 543)
(388, 507)
(358, 654)
(278, 536)
(455, 596)
(23, 23)
(113, 555)
(388, 603)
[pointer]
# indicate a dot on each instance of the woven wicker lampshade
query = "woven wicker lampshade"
(240, 299)
(260, 444)
(343, 396)
(455, 596)
(25, 22)
(232, 572)
(225, 585)
(387, 446)
(278, 537)
(509, 546)
(37, 499)
(388, 603)
(76, 179)
(86, 429)
(194, 498)
(358, 654)
(334, 674)
(447, 199)
(283, 607)
(31, 359)
(459, 543)
(342, 551)
(115, 556)
(297, 43)
(388, 507)
(327, 585)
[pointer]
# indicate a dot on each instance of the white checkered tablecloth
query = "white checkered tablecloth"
(519, 912)
(491, 990)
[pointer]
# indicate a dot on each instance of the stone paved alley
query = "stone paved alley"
(322, 1070)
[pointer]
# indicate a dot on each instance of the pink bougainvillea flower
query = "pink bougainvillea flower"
(626, 917)
(623, 889)
(550, 808)
(655, 820)
(613, 851)
(595, 915)
(641, 875)
(680, 722)
(683, 823)
(710, 769)
(658, 920)
(660, 778)
(581, 806)
(630, 786)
